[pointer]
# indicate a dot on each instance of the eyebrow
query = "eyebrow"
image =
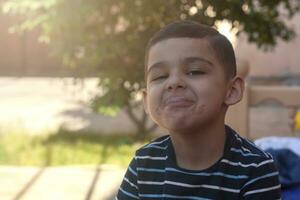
(185, 61)
(197, 59)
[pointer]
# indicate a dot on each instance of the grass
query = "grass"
(66, 148)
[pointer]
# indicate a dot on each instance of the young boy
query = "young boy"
(191, 81)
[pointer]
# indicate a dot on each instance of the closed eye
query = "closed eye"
(160, 78)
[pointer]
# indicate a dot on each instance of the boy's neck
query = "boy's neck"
(199, 150)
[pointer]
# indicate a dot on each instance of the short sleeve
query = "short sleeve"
(263, 183)
(129, 189)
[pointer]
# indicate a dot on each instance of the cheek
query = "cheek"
(154, 99)
(154, 93)
(210, 95)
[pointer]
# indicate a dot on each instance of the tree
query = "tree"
(107, 38)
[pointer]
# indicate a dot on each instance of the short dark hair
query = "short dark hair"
(190, 29)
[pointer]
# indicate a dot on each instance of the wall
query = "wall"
(284, 60)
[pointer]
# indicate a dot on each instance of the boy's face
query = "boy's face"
(186, 84)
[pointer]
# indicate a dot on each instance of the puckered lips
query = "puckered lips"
(178, 102)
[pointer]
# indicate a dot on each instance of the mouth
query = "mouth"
(178, 101)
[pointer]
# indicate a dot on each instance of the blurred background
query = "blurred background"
(71, 72)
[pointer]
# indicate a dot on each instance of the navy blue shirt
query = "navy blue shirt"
(243, 172)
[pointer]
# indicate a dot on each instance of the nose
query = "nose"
(176, 82)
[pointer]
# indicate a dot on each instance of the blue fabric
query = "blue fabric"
(291, 193)
(288, 164)
(286, 155)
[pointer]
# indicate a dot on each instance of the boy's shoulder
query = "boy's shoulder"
(247, 150)
(156, 147)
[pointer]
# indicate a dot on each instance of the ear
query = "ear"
(144, 92)
(235, 91)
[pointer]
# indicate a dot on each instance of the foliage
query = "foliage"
(107, 38)
(66, 148)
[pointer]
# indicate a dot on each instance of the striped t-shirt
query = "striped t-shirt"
(243, 172)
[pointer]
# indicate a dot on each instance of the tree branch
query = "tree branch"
(132, 116)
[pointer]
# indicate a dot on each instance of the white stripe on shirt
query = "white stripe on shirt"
(246, 165)
(262, 190)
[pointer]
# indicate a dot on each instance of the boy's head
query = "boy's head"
(190, 76)
(190, 29)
